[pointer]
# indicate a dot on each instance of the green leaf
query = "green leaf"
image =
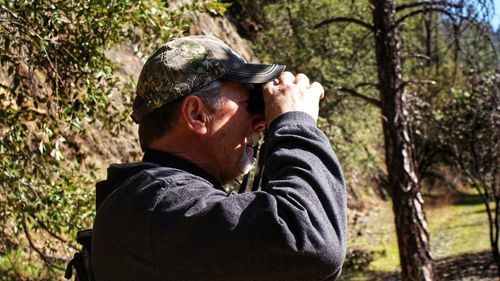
(64, 44)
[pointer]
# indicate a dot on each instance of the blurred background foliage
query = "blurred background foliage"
(57, 78)
(450, 68)
(439, 53)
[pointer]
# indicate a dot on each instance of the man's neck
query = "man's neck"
(189, 148)
(167, 159)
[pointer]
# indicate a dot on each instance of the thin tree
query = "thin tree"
(400, 156)
(469, 137)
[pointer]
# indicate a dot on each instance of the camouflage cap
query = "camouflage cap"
(185, 65)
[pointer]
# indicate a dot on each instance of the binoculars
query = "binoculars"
(256, 100)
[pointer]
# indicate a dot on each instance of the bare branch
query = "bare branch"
(334, 103)
(430, 3)
(12, 14)
(50, 232)
(348, 20)
(367, 84)
(425, 10)
(293, 26)
(33, 246)
(355, 93)
(420, 56)
(421, 82)
(485, 35)
(355, 57)
(50, 265)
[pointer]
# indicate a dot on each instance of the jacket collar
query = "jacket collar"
(169, 160)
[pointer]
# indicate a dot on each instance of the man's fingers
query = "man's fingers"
(302, 80)
(317, 88)
(291, 93)
(286, 77)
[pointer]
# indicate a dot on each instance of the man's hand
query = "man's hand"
(291, 93)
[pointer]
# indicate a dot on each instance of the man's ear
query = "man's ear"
(194, 113)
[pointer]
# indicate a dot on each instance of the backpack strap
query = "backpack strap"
(81, 260)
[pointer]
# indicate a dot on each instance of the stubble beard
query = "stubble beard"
(247, 161)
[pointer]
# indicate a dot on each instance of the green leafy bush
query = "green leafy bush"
(54, 79)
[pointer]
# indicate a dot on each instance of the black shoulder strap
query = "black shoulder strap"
(105, 188)
(81, 260)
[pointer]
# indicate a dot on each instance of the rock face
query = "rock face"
(223, 29)
(220, 27)
(99, 148)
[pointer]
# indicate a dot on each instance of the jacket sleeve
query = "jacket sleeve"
(306, 180)
(294, 229)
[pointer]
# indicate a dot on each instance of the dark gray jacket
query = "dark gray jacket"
(166, 219)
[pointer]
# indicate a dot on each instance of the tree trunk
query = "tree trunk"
(428, 38)
(411, 226)
(494, 242)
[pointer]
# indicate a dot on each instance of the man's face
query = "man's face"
(233, 130)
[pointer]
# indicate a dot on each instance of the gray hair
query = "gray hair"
(210, 95)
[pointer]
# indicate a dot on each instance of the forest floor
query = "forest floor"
(458, 229)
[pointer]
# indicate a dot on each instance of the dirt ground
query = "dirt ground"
(466, 267)
(470, 266)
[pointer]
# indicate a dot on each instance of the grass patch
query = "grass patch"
(375, 232)
(454, 229)
(458, 229)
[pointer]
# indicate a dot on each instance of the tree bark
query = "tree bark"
(494, 242)
(411, 225)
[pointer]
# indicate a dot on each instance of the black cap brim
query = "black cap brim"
(254, 73)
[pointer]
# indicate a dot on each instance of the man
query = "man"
(170, 218)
